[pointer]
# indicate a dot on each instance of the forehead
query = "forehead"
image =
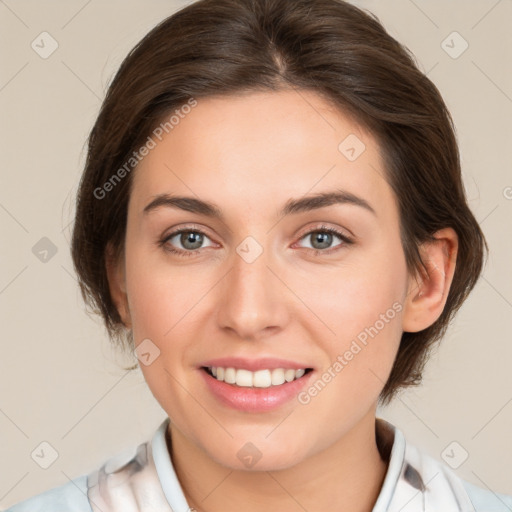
(259, 148)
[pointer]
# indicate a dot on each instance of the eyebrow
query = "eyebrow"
(292, 206)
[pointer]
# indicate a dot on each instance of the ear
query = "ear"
(116, 276)
(426, 296)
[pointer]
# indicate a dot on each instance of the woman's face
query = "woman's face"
(264, 279)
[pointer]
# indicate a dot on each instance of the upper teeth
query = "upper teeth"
(259, 379)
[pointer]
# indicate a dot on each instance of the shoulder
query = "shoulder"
(70, 497)
(128, 479)
(487, 501)
(422, 482)
(449, 487)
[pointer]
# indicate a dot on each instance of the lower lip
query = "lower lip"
(255, 399)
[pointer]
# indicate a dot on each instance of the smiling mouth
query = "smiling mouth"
(239, 377)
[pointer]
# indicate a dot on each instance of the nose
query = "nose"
(253, 300)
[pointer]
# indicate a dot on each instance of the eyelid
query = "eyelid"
(344, 232)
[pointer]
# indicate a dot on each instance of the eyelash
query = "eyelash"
(322, 229)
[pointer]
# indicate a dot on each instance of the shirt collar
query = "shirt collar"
(165, 469)
(415, 481)
(391, 445)
(146, 479)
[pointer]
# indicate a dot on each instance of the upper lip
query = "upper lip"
(254, 365)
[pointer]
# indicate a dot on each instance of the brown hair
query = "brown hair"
(223, 47)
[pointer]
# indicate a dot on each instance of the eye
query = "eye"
(191, 240)
(322, 238)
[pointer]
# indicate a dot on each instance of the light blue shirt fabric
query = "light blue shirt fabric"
(144, 480)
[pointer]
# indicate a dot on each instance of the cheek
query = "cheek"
(353, 295)
(161, 294)
(360, 306)
(366, 320)
(164, 301)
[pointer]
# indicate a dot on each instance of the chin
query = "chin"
(257, 456)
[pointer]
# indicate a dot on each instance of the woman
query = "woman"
(272, 216)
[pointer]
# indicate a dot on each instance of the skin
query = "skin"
(250, 154)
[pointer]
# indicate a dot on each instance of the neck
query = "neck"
(348, 475)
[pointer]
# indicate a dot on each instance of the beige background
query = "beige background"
(60, 380)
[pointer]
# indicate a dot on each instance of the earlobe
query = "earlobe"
(427, 293)
(117, 284)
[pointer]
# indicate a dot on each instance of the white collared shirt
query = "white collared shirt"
(144, 480)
